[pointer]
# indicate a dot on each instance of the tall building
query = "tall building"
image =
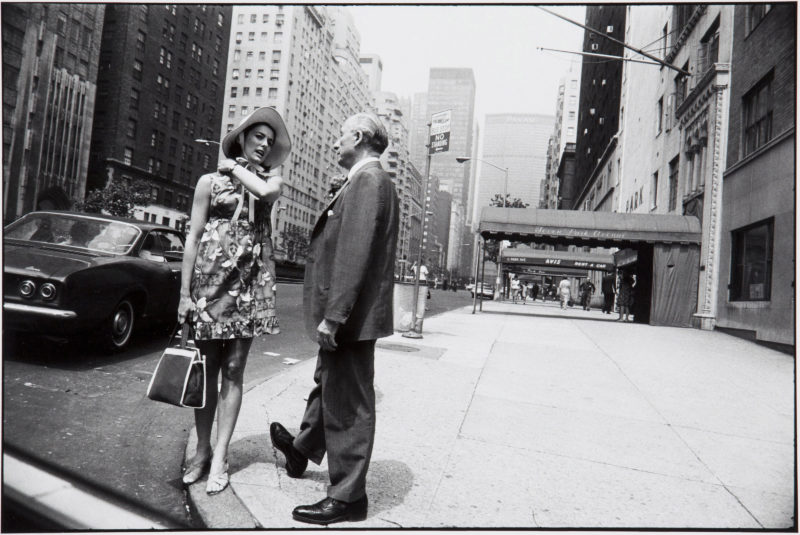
(406, 178)
(564, 131)
(518, 143)
(600, 83)
(454, 89)
(160, 84)
(303, 61)
(50, 63)
(757, 247)
(418, 130)
(373, 66)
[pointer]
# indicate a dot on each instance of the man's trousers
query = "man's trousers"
(340, 417)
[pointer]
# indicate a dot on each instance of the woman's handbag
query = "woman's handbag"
(180, 376)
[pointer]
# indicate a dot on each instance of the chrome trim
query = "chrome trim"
(41, 311)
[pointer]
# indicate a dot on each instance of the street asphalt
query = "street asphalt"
(527, 416)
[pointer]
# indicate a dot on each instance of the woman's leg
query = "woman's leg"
(232, 365)
(204, 418)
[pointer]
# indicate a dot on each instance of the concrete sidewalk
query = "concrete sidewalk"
(527, 416)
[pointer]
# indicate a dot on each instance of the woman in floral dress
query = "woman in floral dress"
(228, 277)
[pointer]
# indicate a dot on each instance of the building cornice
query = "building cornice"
(715, 78)
(687, 30)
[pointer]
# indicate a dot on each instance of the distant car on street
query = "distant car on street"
(484, 290)
(70, 273)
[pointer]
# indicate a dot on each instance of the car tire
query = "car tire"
(119, 326)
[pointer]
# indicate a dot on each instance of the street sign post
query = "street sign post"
(440, 132)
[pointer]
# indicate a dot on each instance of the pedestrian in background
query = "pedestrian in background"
(609, 288)
(534, 291)
(625, 297)
(347, 299)
(587, 290)
(228, 277)
(564, 292)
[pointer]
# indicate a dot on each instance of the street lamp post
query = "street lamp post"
(462, 159)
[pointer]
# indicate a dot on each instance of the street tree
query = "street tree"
(492, 247)
(115, 199)
(296, 243)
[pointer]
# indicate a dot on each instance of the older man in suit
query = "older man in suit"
(347, 297)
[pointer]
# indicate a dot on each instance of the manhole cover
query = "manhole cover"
(397, 347)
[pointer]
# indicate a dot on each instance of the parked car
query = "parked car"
(484, 290)
(67, 273)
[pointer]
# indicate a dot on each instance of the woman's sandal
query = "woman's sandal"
(196, 470)
(217, 482)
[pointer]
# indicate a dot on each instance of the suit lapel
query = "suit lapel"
(324, 215)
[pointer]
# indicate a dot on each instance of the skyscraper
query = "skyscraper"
(50, 62)
(518, 143)
(303, 61)
(160, 84)
(454, 89)
(564, 132)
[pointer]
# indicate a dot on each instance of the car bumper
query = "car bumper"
(43, 320)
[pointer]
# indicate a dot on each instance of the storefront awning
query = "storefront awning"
(578, 227)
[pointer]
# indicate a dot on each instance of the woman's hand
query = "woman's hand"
(185, 305)
(226, 166)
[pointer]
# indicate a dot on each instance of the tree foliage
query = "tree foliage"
(116, 199)
(296, 243)
(497, 200)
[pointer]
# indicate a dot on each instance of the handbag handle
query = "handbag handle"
(184, 334)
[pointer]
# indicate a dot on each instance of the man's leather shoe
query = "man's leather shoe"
(296, 462)
(331, 510)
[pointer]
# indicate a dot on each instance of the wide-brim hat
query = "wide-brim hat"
(269, 116)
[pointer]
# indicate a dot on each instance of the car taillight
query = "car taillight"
(27, 288)
(47, 291)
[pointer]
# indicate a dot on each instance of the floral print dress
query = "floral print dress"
(233, 284)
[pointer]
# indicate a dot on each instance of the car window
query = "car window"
(152, 248)
(172, 243)
(83, 232)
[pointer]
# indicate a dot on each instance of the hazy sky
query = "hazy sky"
(498, 42)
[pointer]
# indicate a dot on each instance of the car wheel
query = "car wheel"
(119, 326)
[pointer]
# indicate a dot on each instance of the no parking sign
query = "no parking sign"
(440, 132)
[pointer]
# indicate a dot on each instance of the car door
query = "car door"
(163, 250)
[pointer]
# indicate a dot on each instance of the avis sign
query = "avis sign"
(440, 132)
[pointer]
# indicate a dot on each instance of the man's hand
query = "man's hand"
(326, 334)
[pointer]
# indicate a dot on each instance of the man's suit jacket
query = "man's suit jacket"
(349, 274)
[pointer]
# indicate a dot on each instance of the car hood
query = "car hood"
(45, 262)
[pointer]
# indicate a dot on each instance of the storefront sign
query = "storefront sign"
(560, 262)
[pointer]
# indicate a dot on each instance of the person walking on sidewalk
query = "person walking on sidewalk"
(347, 299)
(609, 287)
(625, 298)
(564, 292)
(587, 290)
(228, 277)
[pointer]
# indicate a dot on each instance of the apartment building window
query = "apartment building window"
(263, 36)
(277, 37)
(245, 91)
(150, 164)
(127, 156)
(238, 37)
(234, 90)
(273, 92)
(253, 18)
(247, 73)
(153, 138)
(660, 115)
(245, 110)
(251, 36)
(249, 56)
(276, 57)
(131, 128)
(755, 13)
(173, 146)
(664, 37)
(654, 191)
(757, 115)
(751, 262)
(140, 38)
(260, 73)
(134, 105)
(176, 119)
(681, 86)
(220, 20)
(673, 183)
(274, 74)
(214, 70)
(237, 55)
(262, 56)
(137, 69)
(231, 111)
(235, 74)
(240, 19)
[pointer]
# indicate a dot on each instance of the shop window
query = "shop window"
(751, 262)
(673, 183)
